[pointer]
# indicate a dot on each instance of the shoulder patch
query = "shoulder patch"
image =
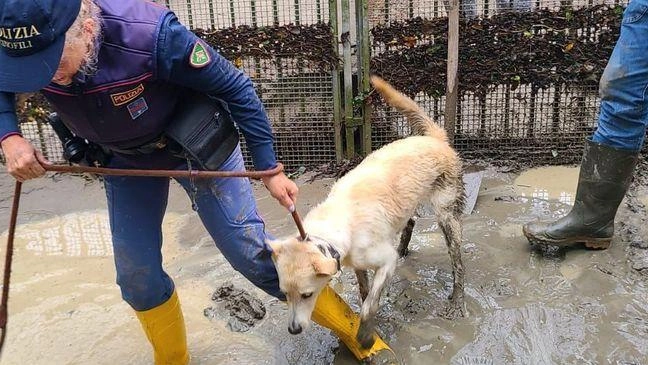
(199, 55)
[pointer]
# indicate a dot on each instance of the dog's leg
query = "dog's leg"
(363, 283)
(450, 223)
(405, 238)
(370, 305)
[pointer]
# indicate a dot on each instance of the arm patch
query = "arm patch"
(199, 55)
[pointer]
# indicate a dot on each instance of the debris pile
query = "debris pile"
(311, 43)
(542, 48)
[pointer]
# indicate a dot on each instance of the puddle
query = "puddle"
(545, 183)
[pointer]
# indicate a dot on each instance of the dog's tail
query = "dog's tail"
(419, 121)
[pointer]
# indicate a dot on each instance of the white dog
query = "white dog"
(359, 223)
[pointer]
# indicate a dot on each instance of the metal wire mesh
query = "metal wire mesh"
(32, 110)
(536, 123)
(543, 122)
(297, 95)
(209, 14)
(299, 101)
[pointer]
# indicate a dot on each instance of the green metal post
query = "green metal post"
(254, 12)
(232, 13)
(275, 13)
(191, 23)
(318, 6)
(297, 13)
(348, 80)
(387, 11)
(212, 16)
(337, 99)
(364, 63)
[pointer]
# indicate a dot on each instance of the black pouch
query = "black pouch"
(204, 129)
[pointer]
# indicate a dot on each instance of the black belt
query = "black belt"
(149, 147)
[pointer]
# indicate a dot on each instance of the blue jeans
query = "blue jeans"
(623, 87)
(226, 207)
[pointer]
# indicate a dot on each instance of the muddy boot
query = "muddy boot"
(605, 176)
(332, 312)
(382, 357)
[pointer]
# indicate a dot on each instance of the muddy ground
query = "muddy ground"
(574, 307)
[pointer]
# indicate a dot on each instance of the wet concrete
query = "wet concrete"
(575, 307)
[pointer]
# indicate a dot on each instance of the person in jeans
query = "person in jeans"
(611, 153)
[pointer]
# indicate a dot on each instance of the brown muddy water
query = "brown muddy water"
(572, 307)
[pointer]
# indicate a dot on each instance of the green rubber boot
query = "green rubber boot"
(604, 178)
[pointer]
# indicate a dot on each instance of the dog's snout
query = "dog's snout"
(294, 329)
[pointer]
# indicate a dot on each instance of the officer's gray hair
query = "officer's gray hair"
(89, 10)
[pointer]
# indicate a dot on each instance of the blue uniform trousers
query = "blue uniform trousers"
(226, 207)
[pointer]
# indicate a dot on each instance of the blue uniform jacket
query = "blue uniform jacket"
(219, 78)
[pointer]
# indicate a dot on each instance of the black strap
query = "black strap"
(336, 255)
(157, 144)
(331, 250)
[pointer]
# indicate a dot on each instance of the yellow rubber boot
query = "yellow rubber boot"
(332, 312)
(164, 326)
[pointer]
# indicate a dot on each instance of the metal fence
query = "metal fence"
(296, 88)
(528, 71)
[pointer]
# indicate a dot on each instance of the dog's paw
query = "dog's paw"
(453, 310)
(365, 335)
(402, 252)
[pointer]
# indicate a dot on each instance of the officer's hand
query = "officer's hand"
(23, 160)
(283, 189)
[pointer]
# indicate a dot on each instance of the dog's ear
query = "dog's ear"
(324, 266)
(275, 246)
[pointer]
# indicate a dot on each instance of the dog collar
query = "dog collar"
(331, 250)
(336, 255)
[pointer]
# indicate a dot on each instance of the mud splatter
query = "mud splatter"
(529, 335)
(243, 309)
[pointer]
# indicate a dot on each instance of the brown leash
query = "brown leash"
(299, 224)
(7, 267)
(164, 173)
(113, 172)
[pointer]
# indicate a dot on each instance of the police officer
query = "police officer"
(611, 153)
(117, 72)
